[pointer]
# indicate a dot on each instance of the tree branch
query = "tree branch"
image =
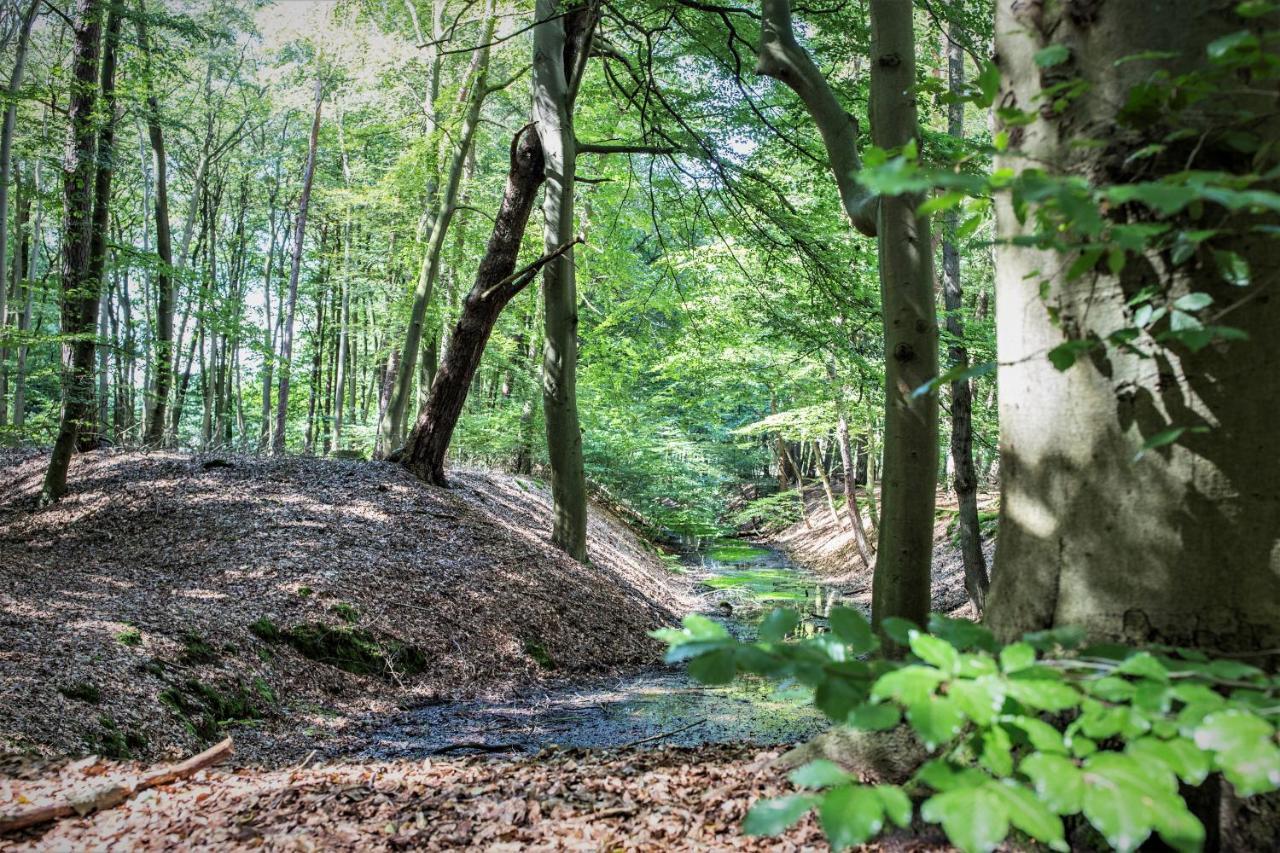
(781, 57)
(520, 278)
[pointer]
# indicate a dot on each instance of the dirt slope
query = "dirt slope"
(169, 594)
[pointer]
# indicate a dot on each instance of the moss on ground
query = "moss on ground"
(197, 650)
(353, 650)
(206, 709)
(110, 741)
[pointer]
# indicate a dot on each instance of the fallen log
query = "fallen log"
(109, 796)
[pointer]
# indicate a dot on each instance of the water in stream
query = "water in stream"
(663, 706)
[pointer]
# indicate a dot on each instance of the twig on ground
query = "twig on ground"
(662, 735)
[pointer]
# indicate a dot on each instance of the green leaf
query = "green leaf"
(1166, 199)
(898, 629)
(819, 774)
(962, 633)
(1179, 755)
(780, 622)
(836, 697)
(936, 719)
(1236, 43)
(1065, 354)
(975, 819)
(877, 718)
(955, 374)
(717, 667)
(1160, 439)
(1118, 813)
(997, 751)
(938, 203)
(935, 651)
(1244, 749)
(1255, 8)
(851, 815)
(1145, 665)
(773, 817)
(1043, 694)
(1234, 268)
(897, 805)
(1054, 54)
(908, 685)
(1193, 301)
(1017, 656)
(853, 629)
(1030, 815)
(1042, 736)
(980, 699)
(988, 83)
(1058, 782)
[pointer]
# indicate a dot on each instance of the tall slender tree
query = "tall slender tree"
(295, 270)
(79, 296)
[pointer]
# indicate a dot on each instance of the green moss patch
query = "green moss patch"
(111, 741)
(539, 653)
(206, 709)
(353, 650)
(197, 650)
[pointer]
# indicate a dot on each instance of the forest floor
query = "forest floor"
(169, 594)
(132, 623)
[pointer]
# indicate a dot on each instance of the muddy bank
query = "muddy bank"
(170, 598)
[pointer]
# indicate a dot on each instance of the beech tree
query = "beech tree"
(1138, 478)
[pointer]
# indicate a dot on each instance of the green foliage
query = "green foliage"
(1020, 736)
(129, 637)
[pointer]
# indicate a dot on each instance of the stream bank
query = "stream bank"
(737, 584)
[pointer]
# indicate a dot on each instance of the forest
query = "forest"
(623, 424)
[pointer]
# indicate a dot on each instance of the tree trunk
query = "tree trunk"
(965, 480)
(1182, 545)
(392, 430)
(299, 233)
(79, 296)
(6, 162)
(901, 585)
(850, 486)
(24, 321)
(165, 295)
(494, 287)
(553, 110)
(344, 321)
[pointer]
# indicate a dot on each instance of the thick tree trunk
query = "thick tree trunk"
(554, 87)
(424, 452)
(903, 559)
(295, 269)
(976, 581)
(79, 297)
(1182, 545)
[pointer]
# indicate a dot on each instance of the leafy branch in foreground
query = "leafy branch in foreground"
(1020, 736)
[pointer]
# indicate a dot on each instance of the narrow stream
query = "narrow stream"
(738, 584)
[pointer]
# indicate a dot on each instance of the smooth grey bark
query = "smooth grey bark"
(295, 269)
(1181, 546)
(965, 480)
(901, 585)
(392, 430)
(79, 298)
(553, 96)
